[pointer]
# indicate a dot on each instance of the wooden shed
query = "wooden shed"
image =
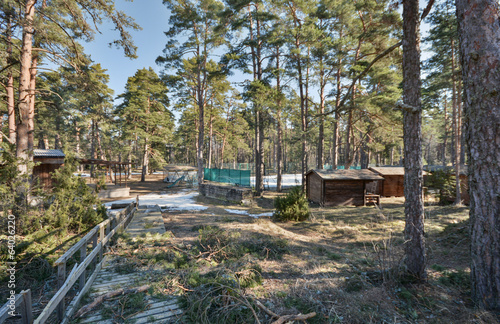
(393, 186)
(340, 187)
(47, 162)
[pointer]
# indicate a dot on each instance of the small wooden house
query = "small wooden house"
(393, 186)
(340, 187)
(47, 161)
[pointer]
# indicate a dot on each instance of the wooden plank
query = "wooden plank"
(61, 279)
(61, 293)
(4, 311)
(158, 310)
(27, 307)
(72, 250)
(78, 298)
(83, 255)
(58, 297)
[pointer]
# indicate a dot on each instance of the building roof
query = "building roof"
(362, 174)
(39, 153)
(388, 170)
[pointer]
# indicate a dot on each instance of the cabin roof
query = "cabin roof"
(362, 174)
(39, 153)
(388, 170)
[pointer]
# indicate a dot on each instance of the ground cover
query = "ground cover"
(230, 266)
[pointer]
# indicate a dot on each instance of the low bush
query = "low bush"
(293, 207)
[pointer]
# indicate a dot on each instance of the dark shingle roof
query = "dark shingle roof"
(48, 153)
(362, 174)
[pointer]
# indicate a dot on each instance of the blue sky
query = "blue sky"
(152, 16)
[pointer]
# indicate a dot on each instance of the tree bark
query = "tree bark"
(210, 140)
(479, 31)
(10, 85)
(456, 128)
(279, 154)
(145, 160)
(415, 257)
(321, 133)
(22, 130)
(445, 135)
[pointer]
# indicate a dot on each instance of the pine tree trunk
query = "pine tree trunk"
(349, 153)
(321, 133)
(10, 86)
(445, 135)
(455, 126)
(415, 257)
(24, 89)
(98, 139)
(480, 56)
(31, 115)
(210, 141)
(279, 154)
(92, 148)
(145, 160)
(335, 139)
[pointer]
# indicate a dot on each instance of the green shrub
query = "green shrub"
(292, 207)
(74, 206)
(444, 180)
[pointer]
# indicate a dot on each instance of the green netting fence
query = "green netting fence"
(232, 176)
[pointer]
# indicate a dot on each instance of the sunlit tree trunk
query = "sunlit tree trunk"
(10, 86)
(415, 257)
(24, 88)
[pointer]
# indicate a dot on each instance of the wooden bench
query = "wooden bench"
(372, 198)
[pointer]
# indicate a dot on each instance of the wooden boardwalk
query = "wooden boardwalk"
(146, 220)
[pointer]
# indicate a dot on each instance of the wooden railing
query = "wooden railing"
(21, 301)
(99, 237)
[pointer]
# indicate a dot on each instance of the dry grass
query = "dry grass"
(343, 263)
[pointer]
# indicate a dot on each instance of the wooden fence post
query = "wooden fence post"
(101, 238)
(61, 278)
(28, 310)
(94, 244)
(83, 255)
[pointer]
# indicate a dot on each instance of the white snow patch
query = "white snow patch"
(287, 180)
(183, 200)
(244, 212)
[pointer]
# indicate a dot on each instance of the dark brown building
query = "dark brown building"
(47, 161)
(393, 186)
(340, 187)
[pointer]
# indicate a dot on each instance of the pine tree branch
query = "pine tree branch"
(6, 137)
(402, 106)
(58, 56)
(427, 9)
(9, 66)
(362, 74)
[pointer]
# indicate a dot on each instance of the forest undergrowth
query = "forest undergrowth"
(342, 265)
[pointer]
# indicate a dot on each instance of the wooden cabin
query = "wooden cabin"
(393, 186)
(47, 161)
(340, 187)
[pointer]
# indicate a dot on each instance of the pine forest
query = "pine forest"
(218, 176)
